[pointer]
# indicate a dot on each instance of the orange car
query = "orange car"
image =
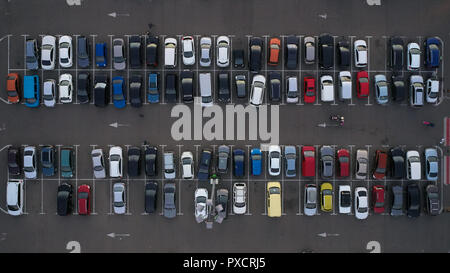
(274, 47)
(12, 87)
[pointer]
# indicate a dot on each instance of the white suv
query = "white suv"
(360, 48)
(14, 197)
(361, 203)
(413, 165)
(257, 92)
(115, 162)
(326, 88)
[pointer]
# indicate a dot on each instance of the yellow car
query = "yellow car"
(326, 197)
(274, 199)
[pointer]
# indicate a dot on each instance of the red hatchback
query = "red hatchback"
(378, 198)
(308, 161)
(84, 202)
(309, 85)
(12, 87)
(362, 84)
(344, 162)
(380, 165)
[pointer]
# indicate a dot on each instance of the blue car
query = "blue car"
(432, 54)
(100, 54)
(31, 90)
(48, 160)
(119, 98)
(153, 90)
(239, 162)
(256, 161)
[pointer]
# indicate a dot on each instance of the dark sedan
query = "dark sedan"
(204, 165)
(151, 155)
(152, 51)
(83, 87)
(171, 88)
(397, 163)
(64, 199)
(224, 87)
(135, 90)
(255, 54)
(396, 54)
(239, 162)
(343, 50)
(413, 200)
(291, 52)
(14, 161)
(151, 193)
(187, 86)
(83, 52)
(275, 86)
(398, 88)
(326, 52)
(134, 161)
(135, 51)
(101, 95)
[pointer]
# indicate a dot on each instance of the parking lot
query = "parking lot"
(85, 127)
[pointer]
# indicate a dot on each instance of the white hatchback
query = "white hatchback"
(65, 88)
(65, 51)
(119, 198)
(239, 198)
(48, 95)
(48, 52)
(257, 91)
(188, 50)
(413, 165)
(223, 51)
(200, 197)
(274, 160)
(187, 162)
(361, 203)
(360, 48)
(413, 56)
(115, 162)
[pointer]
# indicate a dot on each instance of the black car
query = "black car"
(222, 199)
(134, 161)
(238, 58)
(326, 52)
(14, 161)
(398, 88)
(343, 53)
(291, 52)
(135, 51)
(241, 86)
(275, 86)
(64, 199)
(204, 165)
(224, 87)
(187, 86)
(83, 87)
(151, 192)
(152, 51)
(48, 159)
(171, 88)
(83, 52)
(101, 90)
(255, 54)
(396, 54)
(151, 162)
(135, 90)
(413, 200)
(397, 163)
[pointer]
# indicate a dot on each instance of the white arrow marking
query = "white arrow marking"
(73, 2)
(115, 14)
(116, 124)
(114, 235)
(373, 2)
(324, 235)
(323, 16)
(322, 125)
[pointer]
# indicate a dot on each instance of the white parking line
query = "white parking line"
(93, 66)
(111, 59)
(179, 180)
(334, 180)
(299, 177)
(163, 78)
(93, 146)
(368, 172)
(248, 179)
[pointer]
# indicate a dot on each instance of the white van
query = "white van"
(170, 52)
(432, 90)
(206, 89)
(14, 197)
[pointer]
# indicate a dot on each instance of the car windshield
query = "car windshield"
(31, 100)
(415, 51)
(188, 54)
(118, 97)
(114, 158)
(186, 161)
(274, 190)
(207, 99)
(99, 59)
(83, 195)
(256, 157)
(47, 97)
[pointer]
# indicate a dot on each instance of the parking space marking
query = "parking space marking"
(368, 174)
(128, 187)
(76, 70)
(25, 54)
(334, 73)
(163, 72)
(179, 180)
(334, 180)
(111, 61)
(145, 69)
(93, 66)
(93, 146)
(162, 197)
(248, 180)
(299, 179)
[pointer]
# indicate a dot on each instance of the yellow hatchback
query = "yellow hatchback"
(326, 197)
(274, 199)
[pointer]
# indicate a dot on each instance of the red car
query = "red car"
(12, 87)
(380, 165)
(308, 161)
(309, 85)
(378, 198)
(274, 51)
(84, 202)
(344, 162)
(362, 84)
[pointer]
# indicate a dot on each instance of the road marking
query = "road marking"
(74, 246)
(374, 247)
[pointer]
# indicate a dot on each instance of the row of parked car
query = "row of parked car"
(419, 90)
(395, 163)
(327, 46)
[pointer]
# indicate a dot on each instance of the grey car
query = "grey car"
(290, 161)
(205, 51)
(98, 163)
(397, 201)
(222, 159)
(310, 204)
(310, 50)
(362, 159)
(169, 165)
(170, 210)
(119, 198)
(119, 60)
(431, 164)
(31, 54)
(381, 89)
(327, 161)
(433, 204)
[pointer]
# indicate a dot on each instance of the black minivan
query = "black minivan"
(101, 91)
(171, 88)
(187, 86)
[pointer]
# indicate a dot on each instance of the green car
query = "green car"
(67, 167)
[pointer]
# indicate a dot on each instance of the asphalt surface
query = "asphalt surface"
(83, 126)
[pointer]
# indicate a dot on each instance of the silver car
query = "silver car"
(310, 204)
(292, 90)
(310, 50)
(362, 159)
(169, 166)
(431, 164)
(239, 198)
(205, 51)
(397, 201)
(222, 158)
(223, 51)
(119, 60)
(30, 162)
(290, 161)
(381, 89)
(49, 93)
(119, 198)
(327, 161)
(170, 210)
(98, 163)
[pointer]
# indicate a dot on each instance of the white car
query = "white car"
(170, 52)
(361, 203)
(188, 50)
(413, 165)
(274, 160)
(257, 91)
(413, 56)
(360, 48)
(48, 53)
(187, 162)
(205, 52)
(345, 85)
(345, 199)
(432, 90)
(30, 162)
(115, 162)
(200, 197)
(14, 197)
(119, 198)
(65, 88)
(65, 51)
(223, 51)
(48, 95)
(326, 88)
(239, 198)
